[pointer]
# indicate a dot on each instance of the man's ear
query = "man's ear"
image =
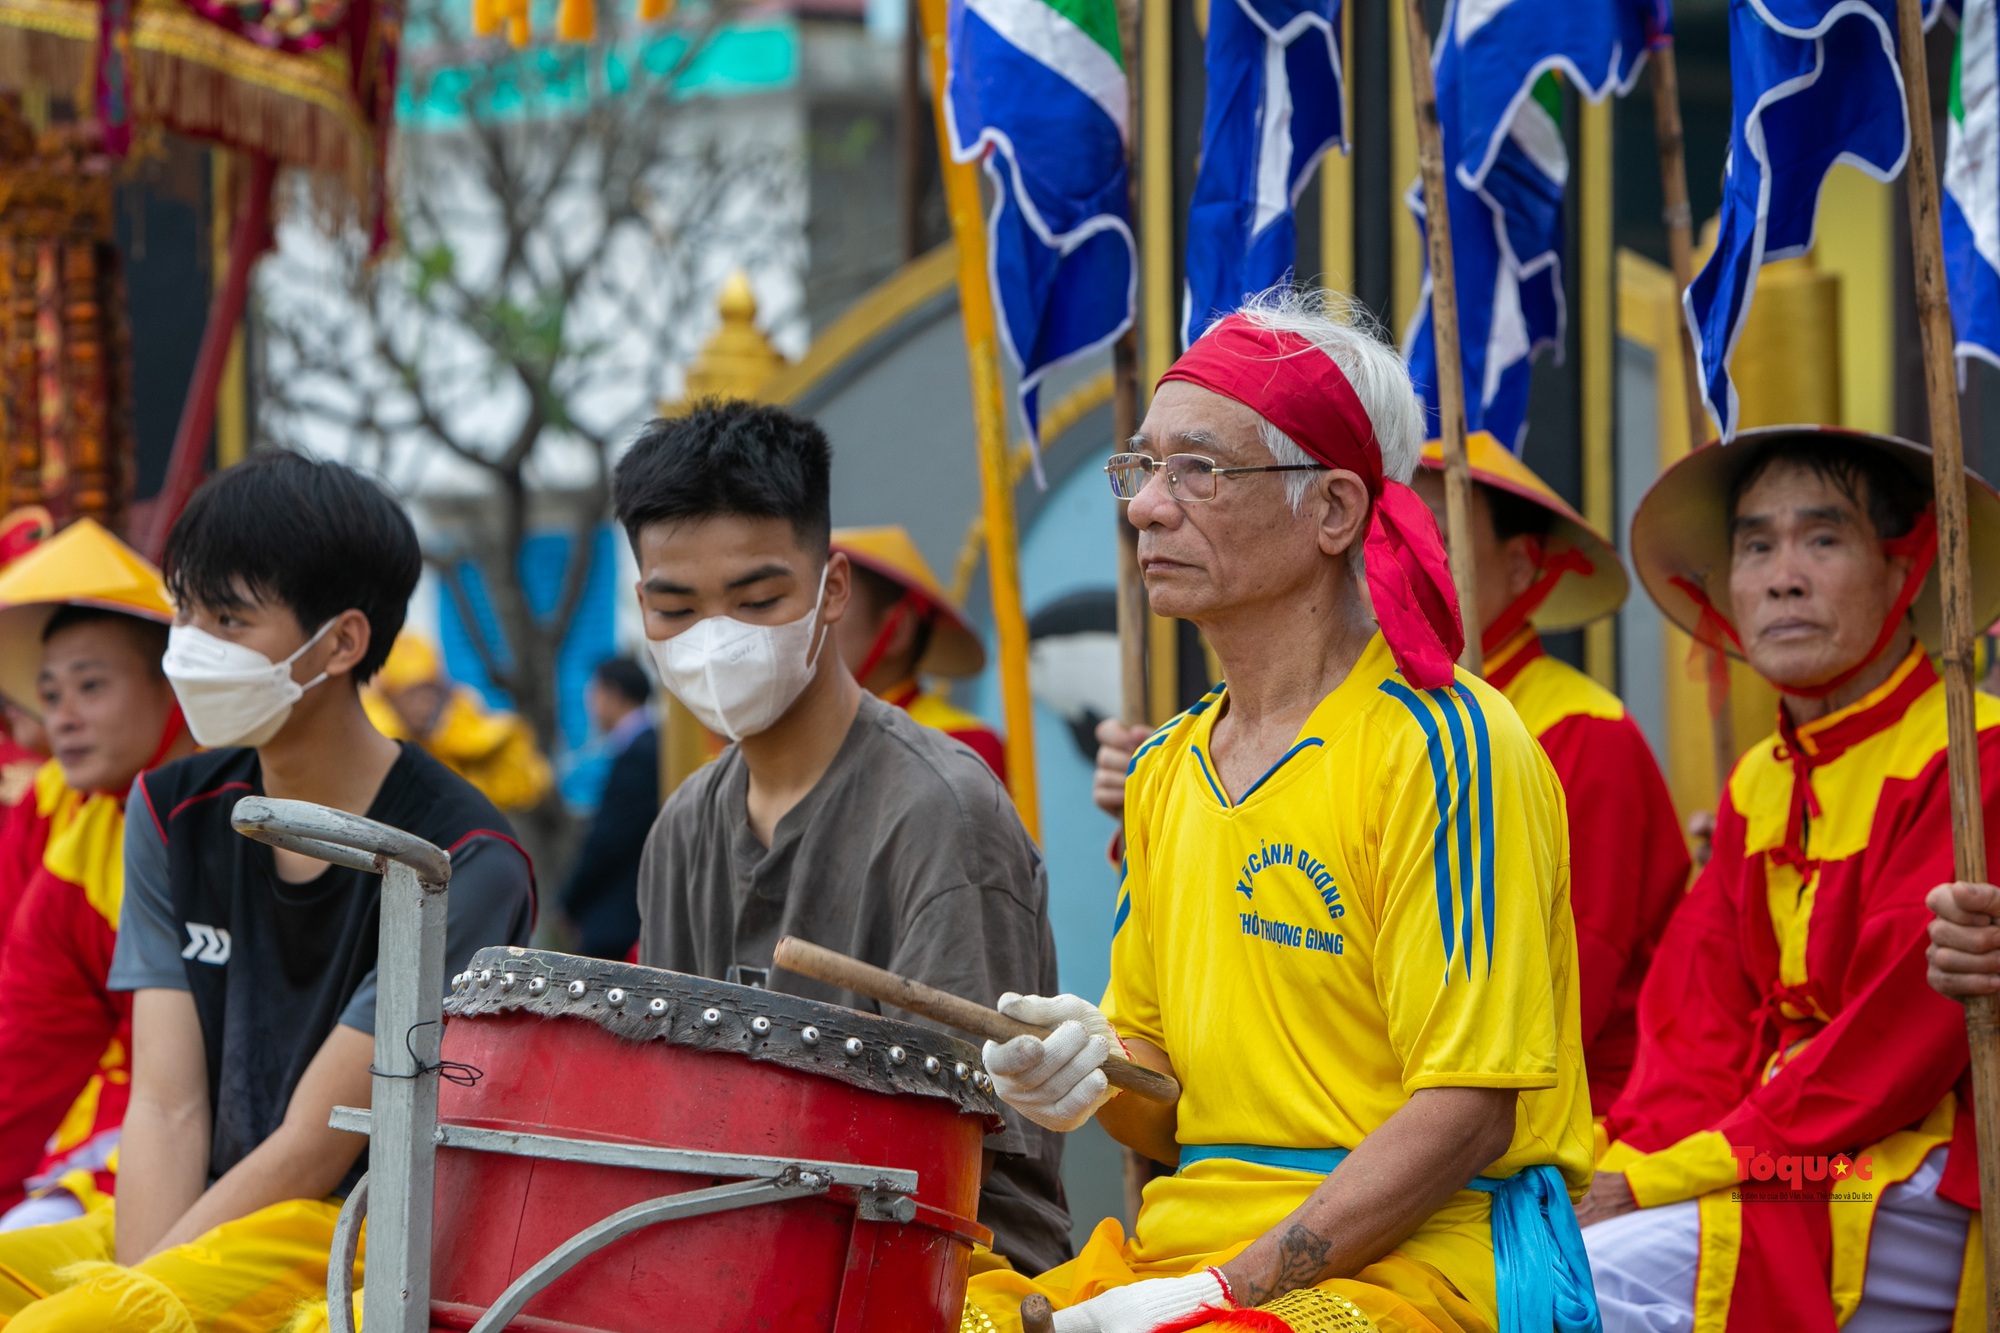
(350, 636)
(839, 588)
(1521, 557)
(1344, 510)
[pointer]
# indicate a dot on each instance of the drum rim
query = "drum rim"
(894, 1057)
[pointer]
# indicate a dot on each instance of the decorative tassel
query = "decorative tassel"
(576, 21)
(652, 11)
(485, 18)
(517, 30)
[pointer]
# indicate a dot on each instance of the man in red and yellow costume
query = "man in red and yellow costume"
(413, 699)
(1540, 566)
(1794, 1149)
(901, 627)
(83, 622)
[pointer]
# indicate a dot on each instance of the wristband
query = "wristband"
(1227, 1293)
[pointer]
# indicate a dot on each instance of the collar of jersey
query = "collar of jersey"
(1340, 706)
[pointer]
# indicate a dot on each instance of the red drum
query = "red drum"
(606, 1053)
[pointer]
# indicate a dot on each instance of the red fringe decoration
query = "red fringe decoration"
(1214, 1316)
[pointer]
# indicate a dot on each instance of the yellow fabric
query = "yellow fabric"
(86, 846)
(934, 710)
(1970, 1316)
(1241, 928)
(1721, 1250)
(1548, 689)
(411, 661)
(1396, 1294)
(1893, 1160)
(246, 1276)
(495, 752)
(1697, 1164)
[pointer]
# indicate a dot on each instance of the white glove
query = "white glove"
(1056, 1081)
(1145, 1306)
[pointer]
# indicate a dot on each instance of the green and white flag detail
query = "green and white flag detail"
(1037, 89)
(1971, 212)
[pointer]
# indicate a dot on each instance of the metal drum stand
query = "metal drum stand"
(397, 1196)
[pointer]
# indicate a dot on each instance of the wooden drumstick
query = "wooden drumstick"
(1036, 1316)
(837, 969)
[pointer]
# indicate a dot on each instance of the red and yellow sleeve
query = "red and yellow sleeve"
(1628, 864)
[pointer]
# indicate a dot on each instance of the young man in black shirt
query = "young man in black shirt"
(834, 816)
(253, 969)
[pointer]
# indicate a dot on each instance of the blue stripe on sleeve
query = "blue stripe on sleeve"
(1463, 763)
(1440, 853)
(1124, 910)
(1479, 739)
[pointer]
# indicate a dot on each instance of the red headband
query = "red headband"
(1298, 388)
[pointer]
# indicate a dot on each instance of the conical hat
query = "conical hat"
(954, 649)
(1681, 529)
(83, 565)
(1578, 598)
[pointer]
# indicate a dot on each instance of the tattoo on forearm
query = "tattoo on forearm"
(1301, 1262)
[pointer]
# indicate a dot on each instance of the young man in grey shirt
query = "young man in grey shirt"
(832, 816)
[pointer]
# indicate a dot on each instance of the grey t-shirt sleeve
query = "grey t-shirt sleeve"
(148, 953)
(491, 902)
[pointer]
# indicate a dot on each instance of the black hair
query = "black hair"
(1513, 516)
(151, 632)
(1879, 486)
(728, 457)
(318, 538)
(623, 676)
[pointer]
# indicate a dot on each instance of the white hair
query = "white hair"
(1355, 341)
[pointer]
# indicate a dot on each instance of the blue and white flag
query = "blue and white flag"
(1505, 170)
(1813, 82)
(1274, 108)
(1038, 88)
(1972, 185)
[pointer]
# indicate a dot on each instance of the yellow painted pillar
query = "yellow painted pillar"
(1406, 243)
(1336, 181)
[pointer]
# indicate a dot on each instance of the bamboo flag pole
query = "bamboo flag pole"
(1444, 332)
(989, 415)
(1679, 218)
(1132, 703)
(1954, 572)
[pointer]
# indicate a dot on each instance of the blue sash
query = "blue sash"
(1540, 1270)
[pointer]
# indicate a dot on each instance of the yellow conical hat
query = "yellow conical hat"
(411, 661)
(83, 565)
(954, 649)
(1579, 598)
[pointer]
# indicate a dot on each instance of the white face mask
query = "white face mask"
(739, 678)
(232, 695)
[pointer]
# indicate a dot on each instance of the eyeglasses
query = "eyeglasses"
(1190, 477)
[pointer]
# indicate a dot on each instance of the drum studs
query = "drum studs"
(932, 1065)
(897, 1055)
(852, 1046)
(657, 1007)
(485, 977)
(963, 1070)
(760, 1025)
(982, 1081)
(536, 985)
(507, 981)
(458, 981)
(576, 990)
(711, 1016)
(615, 997)
(809, 1035)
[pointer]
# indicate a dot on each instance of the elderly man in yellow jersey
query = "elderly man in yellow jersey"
(902, 626)
(1344, 923)
(1793, 1149)
(1539, 566)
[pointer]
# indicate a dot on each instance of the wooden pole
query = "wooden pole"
(989, 415)
(1954, 572)
(1679, 217)
(1036, 1316)
(1444, 332)
(1125, 402)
